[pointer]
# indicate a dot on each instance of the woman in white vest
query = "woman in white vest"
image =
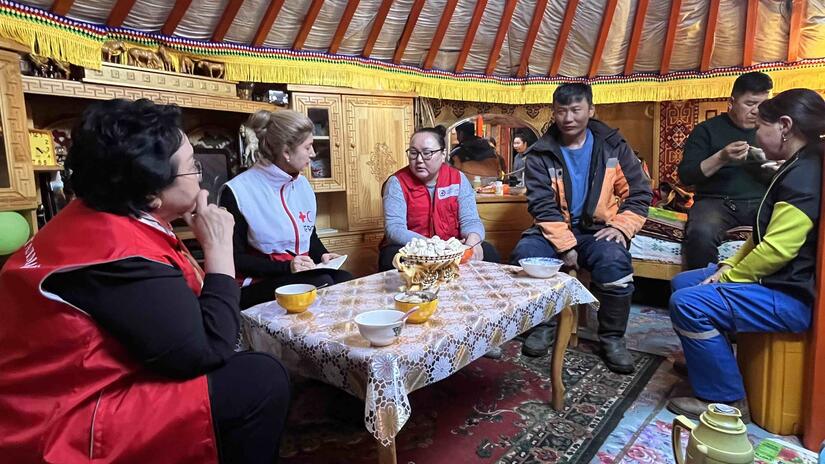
(274, 207)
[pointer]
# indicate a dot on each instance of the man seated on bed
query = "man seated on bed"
(728, 186)
(588, 196)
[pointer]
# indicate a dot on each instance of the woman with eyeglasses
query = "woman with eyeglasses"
(115, 345)
(274, 208)
(429, 198)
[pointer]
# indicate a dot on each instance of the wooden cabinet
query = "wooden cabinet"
(376, 133)
(17, 184)
(326, 173)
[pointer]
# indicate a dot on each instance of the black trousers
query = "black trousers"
(249, 396)
(264, 290)
(386, 255)
(708, 219)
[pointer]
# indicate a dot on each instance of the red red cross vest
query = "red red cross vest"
(437, 215)
(70, 392)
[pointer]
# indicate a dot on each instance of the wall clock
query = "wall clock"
(42, 147)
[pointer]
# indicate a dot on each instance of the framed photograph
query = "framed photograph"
(216, 169)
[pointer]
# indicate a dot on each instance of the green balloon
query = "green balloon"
(14, 231)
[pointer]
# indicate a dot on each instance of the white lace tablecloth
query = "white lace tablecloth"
(486, 306)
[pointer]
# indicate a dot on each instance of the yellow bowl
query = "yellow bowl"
(296, 298)
(425, 309)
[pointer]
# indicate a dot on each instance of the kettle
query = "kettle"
(719, 438)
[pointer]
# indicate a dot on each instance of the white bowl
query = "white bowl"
(381, 327)
(540, 267)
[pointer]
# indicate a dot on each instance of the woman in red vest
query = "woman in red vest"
(115, 346)
(429, 198)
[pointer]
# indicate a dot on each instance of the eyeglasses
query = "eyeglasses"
(198, 171)
(425, 155)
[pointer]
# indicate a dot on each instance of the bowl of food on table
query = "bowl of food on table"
(380, 327)
(427, 263)
(427, 303)
(296, 298)
(540, 267)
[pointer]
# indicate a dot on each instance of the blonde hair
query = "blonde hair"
(279, 130)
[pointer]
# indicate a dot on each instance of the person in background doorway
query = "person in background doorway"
(474, 156)
(768, 286)
(274, 207)
(521, 143)
(728, 186)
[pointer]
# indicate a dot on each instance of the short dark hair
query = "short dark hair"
(572, 92)
(467, 128)
(805, 107)
(754, 82)
(121, 154)
(439, 132)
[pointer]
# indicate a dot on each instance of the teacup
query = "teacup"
(381, 327)
(296, 298)
(427, 304)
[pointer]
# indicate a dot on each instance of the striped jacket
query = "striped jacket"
(618, 196)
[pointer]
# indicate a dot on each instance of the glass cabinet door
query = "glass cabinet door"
(326, 170)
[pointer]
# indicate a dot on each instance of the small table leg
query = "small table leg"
(562, 338)
(386, 454)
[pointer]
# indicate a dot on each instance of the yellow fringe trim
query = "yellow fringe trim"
(79, 49)
(53, 42)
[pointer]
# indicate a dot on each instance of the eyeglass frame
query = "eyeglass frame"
(424, 157)
(198, 172)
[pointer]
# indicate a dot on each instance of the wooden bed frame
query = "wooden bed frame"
(655, 270)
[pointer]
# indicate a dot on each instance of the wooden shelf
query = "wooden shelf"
(47, 168)
(74, 89)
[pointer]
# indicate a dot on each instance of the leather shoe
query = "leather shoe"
(494, 353)
(539, 341)
(616, 357)
(692, 407)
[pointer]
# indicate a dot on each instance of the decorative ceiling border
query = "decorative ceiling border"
(80, 43)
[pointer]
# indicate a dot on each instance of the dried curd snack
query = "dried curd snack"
(432, 247)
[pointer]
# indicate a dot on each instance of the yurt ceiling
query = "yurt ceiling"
(501, 37)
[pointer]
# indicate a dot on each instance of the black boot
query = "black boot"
(540, 339)
(613, 314)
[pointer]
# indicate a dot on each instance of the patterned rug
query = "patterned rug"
(490, 411)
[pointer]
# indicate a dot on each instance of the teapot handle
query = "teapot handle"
(396, 261)
(679, 423)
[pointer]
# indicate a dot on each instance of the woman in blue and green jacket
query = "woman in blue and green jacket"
(768, 286)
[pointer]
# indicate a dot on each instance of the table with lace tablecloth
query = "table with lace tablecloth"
(486, 306)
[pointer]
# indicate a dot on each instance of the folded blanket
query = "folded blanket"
(670, 225)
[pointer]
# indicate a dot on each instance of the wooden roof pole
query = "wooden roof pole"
(636, 36)
(750, 33)
(61, 7)
(471, 35)
(175, 16)
(607, 19)
(503, 27)
(415, 12)
(564, 33)
(670, 38)
(227, 17)
(446, 16)
(343, 25)
(530, 40)
(119, 12)
(380, 17)
(797, 10)
(710, 34)
(309, 20)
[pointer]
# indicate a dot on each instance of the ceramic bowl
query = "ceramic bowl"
(425, 308)
(541, 268)
(381, 327)
(296, 298)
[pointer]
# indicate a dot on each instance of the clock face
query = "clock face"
(42, 148)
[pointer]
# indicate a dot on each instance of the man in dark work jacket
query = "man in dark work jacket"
(728, 185)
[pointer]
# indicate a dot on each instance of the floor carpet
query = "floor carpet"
(490, 411)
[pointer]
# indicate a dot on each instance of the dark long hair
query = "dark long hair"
(804, 106)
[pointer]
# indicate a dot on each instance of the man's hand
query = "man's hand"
(571, 259)
(734, 151)
(716, 275)
(611, 234)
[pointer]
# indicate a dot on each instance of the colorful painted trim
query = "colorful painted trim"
(80, 43)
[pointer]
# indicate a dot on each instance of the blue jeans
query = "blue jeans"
(610, 264)
(701, 314)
